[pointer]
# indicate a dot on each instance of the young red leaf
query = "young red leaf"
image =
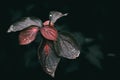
(46, 49)
(48, 23)
(28, 35)
(49, 33)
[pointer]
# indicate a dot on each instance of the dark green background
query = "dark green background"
(97, 20)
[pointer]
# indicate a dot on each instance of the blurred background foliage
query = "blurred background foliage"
(94, 25)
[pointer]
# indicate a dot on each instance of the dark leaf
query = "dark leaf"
(24, 23)
(55, 15)
(95, 55)
(67, 46)
(48, 58)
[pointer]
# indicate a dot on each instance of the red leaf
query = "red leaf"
(49, 33)
(46, 23)
(28, 35)
(46, 49)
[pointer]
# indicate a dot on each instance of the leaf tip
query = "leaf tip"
(10, 29)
